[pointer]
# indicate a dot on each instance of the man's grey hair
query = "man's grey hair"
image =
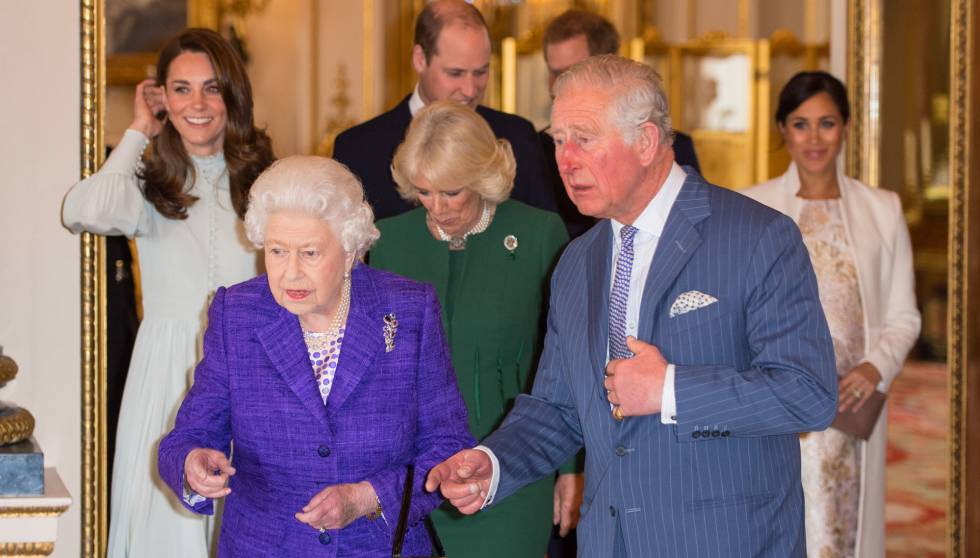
(319, 187)
(636, 93)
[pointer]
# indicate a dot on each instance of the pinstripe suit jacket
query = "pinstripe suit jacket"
(255, 386)
(752, 371)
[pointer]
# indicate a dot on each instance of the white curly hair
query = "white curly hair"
(317, 186)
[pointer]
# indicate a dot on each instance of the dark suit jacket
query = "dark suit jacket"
(575, 222)
(368, 148)
(255, 386)
(752, 369)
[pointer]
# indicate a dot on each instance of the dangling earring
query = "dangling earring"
(347, 274)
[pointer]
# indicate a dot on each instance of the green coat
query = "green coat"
(494, 305)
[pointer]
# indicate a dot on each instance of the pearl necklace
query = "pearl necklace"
(318, 340)
(459, 242)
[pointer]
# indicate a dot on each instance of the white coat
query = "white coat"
(879, 238)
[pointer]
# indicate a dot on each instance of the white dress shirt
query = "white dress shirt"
(415, 102)
(650, 225)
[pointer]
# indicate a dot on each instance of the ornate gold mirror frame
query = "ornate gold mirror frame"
(864, 79)
(93, 475)
(864, 53)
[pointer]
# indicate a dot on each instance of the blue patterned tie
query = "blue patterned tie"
(620, 295)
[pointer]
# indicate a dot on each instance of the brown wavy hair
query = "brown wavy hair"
(247, 149)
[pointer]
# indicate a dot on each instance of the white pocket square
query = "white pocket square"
(691, 300)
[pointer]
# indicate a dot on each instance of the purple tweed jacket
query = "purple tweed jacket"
(255, 388)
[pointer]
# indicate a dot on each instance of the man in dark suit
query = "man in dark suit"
(686, 347)
(570, 38)
(452, 58)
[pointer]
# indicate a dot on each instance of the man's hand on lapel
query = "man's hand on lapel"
(636, 384)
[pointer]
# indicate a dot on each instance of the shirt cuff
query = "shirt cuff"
(668, 403)
(494, 479)
(126, 156)
(190, 497)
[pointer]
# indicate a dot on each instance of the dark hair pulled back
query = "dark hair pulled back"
(804, 85)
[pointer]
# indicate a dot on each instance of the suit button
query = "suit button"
(620, 451)
(726, 434)
(612, 511)
(715, 433)
(696, 434)
(323, 451)
(324, 538)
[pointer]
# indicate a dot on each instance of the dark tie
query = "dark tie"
(620, 295)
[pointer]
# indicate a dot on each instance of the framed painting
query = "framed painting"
(136, 29)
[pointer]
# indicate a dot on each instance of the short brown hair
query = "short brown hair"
(437, 15)
(599, 32)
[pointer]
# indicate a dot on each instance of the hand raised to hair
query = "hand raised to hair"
(148, 102)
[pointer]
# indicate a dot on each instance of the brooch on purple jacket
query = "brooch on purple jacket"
(390, 329)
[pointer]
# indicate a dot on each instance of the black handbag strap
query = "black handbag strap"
(434, 536)
(402, 525)
(396, 549)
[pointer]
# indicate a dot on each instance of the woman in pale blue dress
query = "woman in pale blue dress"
(182, 201)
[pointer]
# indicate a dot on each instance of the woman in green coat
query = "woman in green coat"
(489, 259)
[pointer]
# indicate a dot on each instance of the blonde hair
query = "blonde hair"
(320, 187)
(452, 147)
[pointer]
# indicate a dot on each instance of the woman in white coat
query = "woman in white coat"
(861, 252)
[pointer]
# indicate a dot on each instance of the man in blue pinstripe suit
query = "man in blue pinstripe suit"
(686, 347)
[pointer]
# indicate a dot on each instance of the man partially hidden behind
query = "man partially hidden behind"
(452, 58)
(570, 38)
(686, 347)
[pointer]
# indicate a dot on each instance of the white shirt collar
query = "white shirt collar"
(654, 216)
(415, 102)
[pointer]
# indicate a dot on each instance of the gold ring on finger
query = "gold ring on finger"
(617, 413)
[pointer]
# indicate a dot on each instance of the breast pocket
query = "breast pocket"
(699, 317)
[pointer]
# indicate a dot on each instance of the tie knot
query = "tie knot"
(627, 233)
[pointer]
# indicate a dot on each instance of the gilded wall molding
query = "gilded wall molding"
(33, 511)
(26, 549)
(960, 77)
(864, 80)
(863, 159)
(92, 85)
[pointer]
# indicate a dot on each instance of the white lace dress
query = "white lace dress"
(181, 263)
(831, 460)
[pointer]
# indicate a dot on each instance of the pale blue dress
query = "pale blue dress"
(181, 263)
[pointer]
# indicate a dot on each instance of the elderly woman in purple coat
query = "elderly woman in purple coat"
(321, 382)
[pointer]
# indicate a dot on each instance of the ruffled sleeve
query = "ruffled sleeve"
(111, 201)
